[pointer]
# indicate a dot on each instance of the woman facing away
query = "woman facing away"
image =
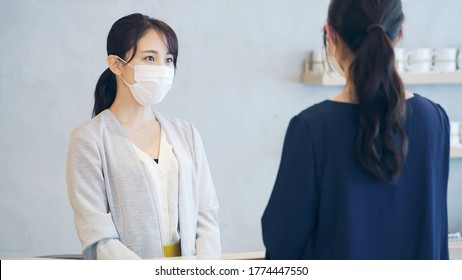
(139, 181)
(363, 175)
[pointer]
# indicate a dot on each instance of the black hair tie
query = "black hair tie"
(375, 26)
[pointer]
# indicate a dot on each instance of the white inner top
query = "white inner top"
(163, 181)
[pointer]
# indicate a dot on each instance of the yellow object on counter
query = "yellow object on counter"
(172, 250)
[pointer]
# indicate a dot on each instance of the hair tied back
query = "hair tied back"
(375, 26)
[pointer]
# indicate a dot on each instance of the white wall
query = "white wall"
(238, 81)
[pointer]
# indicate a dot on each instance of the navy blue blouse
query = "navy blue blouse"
(325, 205)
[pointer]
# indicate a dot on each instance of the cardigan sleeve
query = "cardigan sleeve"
(208, 233)
(87, 195)
(290, 216)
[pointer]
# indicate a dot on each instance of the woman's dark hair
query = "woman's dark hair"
(124, 36)
(369, 28)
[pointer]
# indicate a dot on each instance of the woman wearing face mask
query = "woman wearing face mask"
(363, 175)
(138, 180)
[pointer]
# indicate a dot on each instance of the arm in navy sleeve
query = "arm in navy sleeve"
(290, 216)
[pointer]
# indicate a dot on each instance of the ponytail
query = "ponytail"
(105, 92)
(368, 29)
(381, 143)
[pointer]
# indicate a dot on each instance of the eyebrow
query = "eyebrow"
(153, 51)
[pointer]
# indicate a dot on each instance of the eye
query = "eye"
(169, 60)
(150, 58)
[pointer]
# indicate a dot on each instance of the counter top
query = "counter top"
(455, 253)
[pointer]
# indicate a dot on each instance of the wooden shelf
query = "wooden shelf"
(323, 79)
(456, 152)
(408, 79)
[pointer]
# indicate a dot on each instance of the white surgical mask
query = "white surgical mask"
(152, 83)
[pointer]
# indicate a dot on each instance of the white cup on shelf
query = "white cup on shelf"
(456, 134)
(459, 60)
(444, 60)
(317, 62)
(454, 237)
(399, 59)
(418, 60)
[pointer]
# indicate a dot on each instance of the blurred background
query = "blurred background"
(238, 81)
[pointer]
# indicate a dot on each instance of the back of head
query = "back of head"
(122, 38)
(369, 29)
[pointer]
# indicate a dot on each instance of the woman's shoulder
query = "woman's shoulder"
(94, 125)
(326, 110)
(423, 102)
(421, 106)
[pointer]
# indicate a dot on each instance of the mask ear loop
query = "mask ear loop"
(330, 69)
(123, 80)
(121, 74)
(327, 66)
(324, 58)
(123, 61)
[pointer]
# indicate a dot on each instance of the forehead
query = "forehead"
(152, 40)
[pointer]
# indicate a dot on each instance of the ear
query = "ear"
(330, 34)
(398, 39)
(114, 64)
